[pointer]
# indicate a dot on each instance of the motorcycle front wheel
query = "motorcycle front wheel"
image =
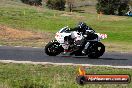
(96, 49)
(53, 49)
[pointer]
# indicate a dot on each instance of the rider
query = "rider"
(81, 29)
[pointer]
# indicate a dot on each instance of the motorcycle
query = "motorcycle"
(89, 43)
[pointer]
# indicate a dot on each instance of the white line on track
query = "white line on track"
(46, 63)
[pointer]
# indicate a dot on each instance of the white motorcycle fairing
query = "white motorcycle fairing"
(62, 34)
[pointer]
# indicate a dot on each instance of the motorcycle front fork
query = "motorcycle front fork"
(85, 48)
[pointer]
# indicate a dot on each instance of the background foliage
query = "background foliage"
(112, 7)
(56, 4)
(32, 2)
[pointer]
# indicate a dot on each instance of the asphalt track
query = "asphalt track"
(38, 55)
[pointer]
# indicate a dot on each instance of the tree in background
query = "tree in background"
(123, 9)
(33, 2)
(70, 4)
(112, 7)
(56, 4)
(130, 3)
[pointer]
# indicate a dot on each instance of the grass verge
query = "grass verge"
(52, 76)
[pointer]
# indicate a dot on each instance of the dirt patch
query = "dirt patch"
(71, 14)
(68, 14)
(111, 18)
(74, 15)
(13, 34)
(10, 36)
(117, 18)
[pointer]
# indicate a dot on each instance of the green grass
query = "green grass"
(20, 16)
(51, 76)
